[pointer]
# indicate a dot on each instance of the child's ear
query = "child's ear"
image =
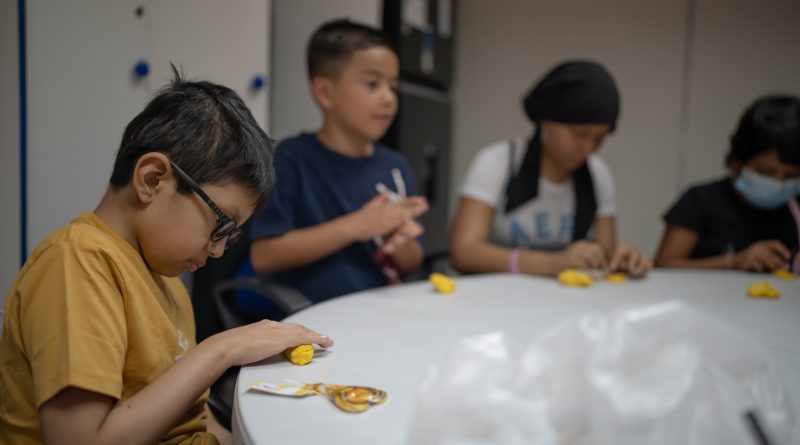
(322, 89)
(151, 175)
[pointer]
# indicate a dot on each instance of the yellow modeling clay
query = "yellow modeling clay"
(300, 355)
(442, 283)
(763, 289)
(616, 277)
(784, 274)
(572, 277)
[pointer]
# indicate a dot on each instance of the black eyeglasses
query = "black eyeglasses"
(226, 227)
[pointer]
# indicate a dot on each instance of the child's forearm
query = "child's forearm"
(536, 262)
(148, 416)
(157, 408)
(485, 257)
(301, 246)
(717, 262)
(79, 416)
(606, 235)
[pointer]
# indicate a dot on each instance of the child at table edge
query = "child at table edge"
(98, 337)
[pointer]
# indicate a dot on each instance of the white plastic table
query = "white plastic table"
(387, 338)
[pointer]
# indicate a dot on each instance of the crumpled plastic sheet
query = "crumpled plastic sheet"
(657, 374)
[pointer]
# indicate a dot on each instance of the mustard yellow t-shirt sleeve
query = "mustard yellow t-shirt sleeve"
(73, 321)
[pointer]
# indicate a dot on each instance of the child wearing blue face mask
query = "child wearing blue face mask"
(751, 219)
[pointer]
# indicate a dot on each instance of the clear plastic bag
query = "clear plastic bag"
(655, 374)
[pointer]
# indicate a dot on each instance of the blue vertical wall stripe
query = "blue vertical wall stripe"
(23, 137)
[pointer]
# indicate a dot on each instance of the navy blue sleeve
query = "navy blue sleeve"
(277, 217)
(687, 212)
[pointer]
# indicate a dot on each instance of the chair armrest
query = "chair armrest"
(286, 298)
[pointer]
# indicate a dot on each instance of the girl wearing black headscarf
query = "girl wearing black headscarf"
(546, 204)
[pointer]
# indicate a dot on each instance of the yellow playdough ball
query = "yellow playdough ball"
(616, 278)
(763, 289)
(572, 277)
(784, 274)
(299, 355)
(442, 283)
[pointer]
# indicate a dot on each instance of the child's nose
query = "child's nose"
(388, 95)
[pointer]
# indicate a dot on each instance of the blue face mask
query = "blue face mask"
(766, 192)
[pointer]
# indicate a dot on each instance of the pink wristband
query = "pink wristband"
(513, 261)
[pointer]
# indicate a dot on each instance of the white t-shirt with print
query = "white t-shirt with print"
(545, 222)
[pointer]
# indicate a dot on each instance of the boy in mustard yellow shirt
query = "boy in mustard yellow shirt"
(98, 338)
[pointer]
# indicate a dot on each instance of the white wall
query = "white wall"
(9, 147)
(81, 94)
(742, 50)
(82, 91)
(669, 72)
(223, 42)
(293, 22)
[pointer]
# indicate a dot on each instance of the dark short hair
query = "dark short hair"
(205, 129)
(770, 123)
(333, 43)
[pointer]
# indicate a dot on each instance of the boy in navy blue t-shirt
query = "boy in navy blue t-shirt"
(341, 217)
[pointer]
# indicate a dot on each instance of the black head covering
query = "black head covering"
(577, 92)
(574, 93)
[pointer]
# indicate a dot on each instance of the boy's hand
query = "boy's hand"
(257, 341)
(381, 216)
(405, 233)
(417, 205)
(583, 255)
(630, 259)
(762, 256)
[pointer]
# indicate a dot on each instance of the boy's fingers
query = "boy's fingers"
(322, 340)
(390, 245)
(308, 336)
(417, 201)
(779, 248)
(641, 266)
(598, 256)
(595, 259)
(412, 229)
(586, 258)
(382, 198)
(395, 241)
(616, 259)
(415, 230)
(775, 263)
(417, 205)
(759, 264)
